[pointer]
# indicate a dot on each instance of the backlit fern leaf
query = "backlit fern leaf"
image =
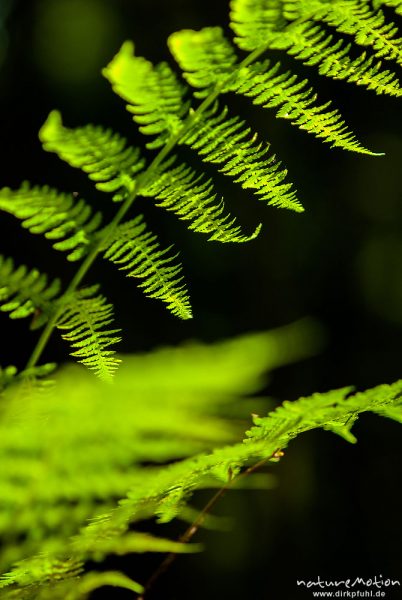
(191, 197)
(137, 251)
(254, 20)
(102, 154)
(206, 57)
(154, 94)
(296, 102)
(227, 142)
(56, 215)
(25, 293)
(84, 319)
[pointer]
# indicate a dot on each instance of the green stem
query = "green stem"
(142, 181)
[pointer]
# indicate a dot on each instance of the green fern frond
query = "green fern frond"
(191, 197)
(84, 318)
(136, 250)
(102, 154)
(296, 102)
(227, 142)
(206, 57)
(58, 216)
(25, 293)
(154, 94)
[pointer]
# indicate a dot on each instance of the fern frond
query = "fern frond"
(25, 293)
(154, 94)
(84, 318)
(206, 57)
(58, 216)
(102, 154)
(227, 142)
(136, 250)
(191, 197)
(296, 102)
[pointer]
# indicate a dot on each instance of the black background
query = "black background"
(336, 510)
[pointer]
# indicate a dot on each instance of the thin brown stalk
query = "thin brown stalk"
(197, 523)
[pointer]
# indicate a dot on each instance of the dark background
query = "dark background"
(336, 510)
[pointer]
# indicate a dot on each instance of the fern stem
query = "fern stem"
(197, 523)
(142, 181)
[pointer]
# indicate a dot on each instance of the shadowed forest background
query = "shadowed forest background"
(336, 509)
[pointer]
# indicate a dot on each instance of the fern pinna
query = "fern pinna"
(350, 40)
(322, 34)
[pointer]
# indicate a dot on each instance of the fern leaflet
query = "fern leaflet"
(102, 154)
(191, 197)
(253, 21)
(136, 250)
(227, 142)
(296, 102)
(206, 57)
(56, 215)
(84, 318)
(154, 94)
(25, 293)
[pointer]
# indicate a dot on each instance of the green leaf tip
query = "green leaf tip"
(50, 127)
(115, 66)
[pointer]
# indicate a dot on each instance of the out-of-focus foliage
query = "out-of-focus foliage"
(70, 451)
(73, 479)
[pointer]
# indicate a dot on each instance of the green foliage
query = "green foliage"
(166, 109)
(154, 94)
(207, 58)
(192, 198)
(136, 250)
(76, 490)
(57, 216)
(73, 450)
(102, 154)
(228, 142)
(84, 318)
(25, 293)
